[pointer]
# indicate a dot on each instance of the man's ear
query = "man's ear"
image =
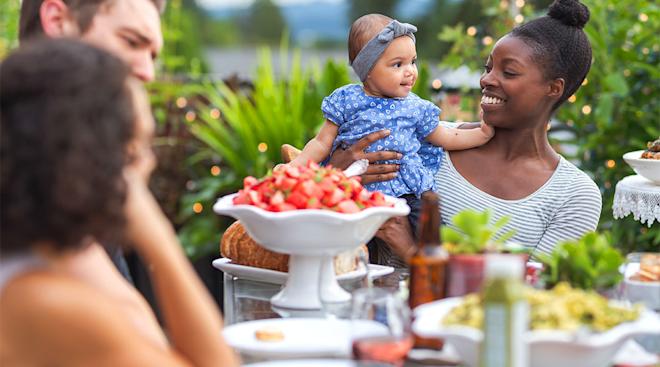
(556, 88)
(56, 19)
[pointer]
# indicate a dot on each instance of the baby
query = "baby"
(382, 53)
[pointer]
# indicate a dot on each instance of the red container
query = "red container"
(466, 273)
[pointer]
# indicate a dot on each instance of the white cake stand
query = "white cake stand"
(312, 237)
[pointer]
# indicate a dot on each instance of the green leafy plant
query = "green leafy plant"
(588, 263)
(476, 234)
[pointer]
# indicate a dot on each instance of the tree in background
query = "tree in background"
(617, 108)
(8, 26)
(263, 22)
(359, 8)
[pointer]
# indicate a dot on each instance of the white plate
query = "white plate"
(306, 363)
(303, 337)
(547, 348)
(278, 277)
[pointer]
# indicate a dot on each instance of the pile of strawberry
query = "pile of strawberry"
(308, 187)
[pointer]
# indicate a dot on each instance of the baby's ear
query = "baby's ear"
(557, 87)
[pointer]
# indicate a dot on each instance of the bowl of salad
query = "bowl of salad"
(311, 213)
(567, 327)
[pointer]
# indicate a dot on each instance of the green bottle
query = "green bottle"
(506, 313)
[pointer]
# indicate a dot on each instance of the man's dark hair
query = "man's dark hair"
(560, 46)
(65, 124)
(83, 11)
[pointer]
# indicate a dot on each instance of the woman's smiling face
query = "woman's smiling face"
(515, 93)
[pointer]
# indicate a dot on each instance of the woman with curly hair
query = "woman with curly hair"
(75, 161)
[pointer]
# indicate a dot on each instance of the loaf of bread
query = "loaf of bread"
(238, 246)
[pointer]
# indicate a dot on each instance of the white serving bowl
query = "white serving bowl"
(647, 168)
(635, 291)
(312, 237)
(546, 348)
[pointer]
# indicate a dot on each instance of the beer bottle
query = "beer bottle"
(427, 265)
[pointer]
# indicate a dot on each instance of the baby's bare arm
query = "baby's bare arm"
(319, 147)
(458, 139)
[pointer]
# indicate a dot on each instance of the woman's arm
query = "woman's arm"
(578, 215)
(191, 318)
(459, 139)
(319, 147)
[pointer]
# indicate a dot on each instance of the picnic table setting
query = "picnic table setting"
(302, 293)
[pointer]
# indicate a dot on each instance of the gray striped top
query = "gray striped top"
(565, 207)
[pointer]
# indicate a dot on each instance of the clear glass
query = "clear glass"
(380, 327)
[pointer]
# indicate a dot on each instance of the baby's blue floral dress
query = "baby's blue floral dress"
(409, 120)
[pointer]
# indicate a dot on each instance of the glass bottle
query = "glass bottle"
(428, 264)
(506, 313)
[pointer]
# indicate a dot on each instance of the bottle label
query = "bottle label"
(504, 331)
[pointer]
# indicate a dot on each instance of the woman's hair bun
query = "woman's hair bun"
(570, 12)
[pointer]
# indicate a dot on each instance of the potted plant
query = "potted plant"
(474, 236)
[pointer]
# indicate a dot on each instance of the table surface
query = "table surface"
(246, 300)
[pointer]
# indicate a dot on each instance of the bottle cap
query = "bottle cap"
(504, 266)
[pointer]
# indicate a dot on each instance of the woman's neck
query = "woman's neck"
(513, 144)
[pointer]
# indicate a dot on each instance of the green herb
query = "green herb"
(476, 233)
(588, 263)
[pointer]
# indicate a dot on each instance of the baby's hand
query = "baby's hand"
(488, 130)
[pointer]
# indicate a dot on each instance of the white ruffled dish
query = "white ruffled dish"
(547, 348)
(278, 277)
(312, 237)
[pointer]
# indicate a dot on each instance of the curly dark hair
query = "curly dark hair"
(67, 116)
(560, 46)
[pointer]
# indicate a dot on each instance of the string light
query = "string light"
(215, 113)
(626, 72)
(436, 84)
(585, 82)
(610, 163)
(520, 3)
(586, 109)
(487, 41)
(572, 99)
(643, 17)
(197, 208)
(504, 4)
(262, 147)
(181, 102)
(191, 116)
(471, 31)
(215, 170)
(519, 18)
(645, 50)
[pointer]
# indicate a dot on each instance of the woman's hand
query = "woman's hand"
(342, 158)
(146, 224)
(397, 233)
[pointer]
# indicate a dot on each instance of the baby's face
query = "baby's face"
(395, 72)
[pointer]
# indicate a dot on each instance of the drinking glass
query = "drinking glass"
(380, 327)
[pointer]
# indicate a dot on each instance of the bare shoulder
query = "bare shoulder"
(47, 317)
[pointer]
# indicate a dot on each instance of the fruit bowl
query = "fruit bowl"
(647, 168)
(547, 348)
(312, 237)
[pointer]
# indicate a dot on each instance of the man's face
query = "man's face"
(130, 29)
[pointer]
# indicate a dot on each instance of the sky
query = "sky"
(246, 3)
